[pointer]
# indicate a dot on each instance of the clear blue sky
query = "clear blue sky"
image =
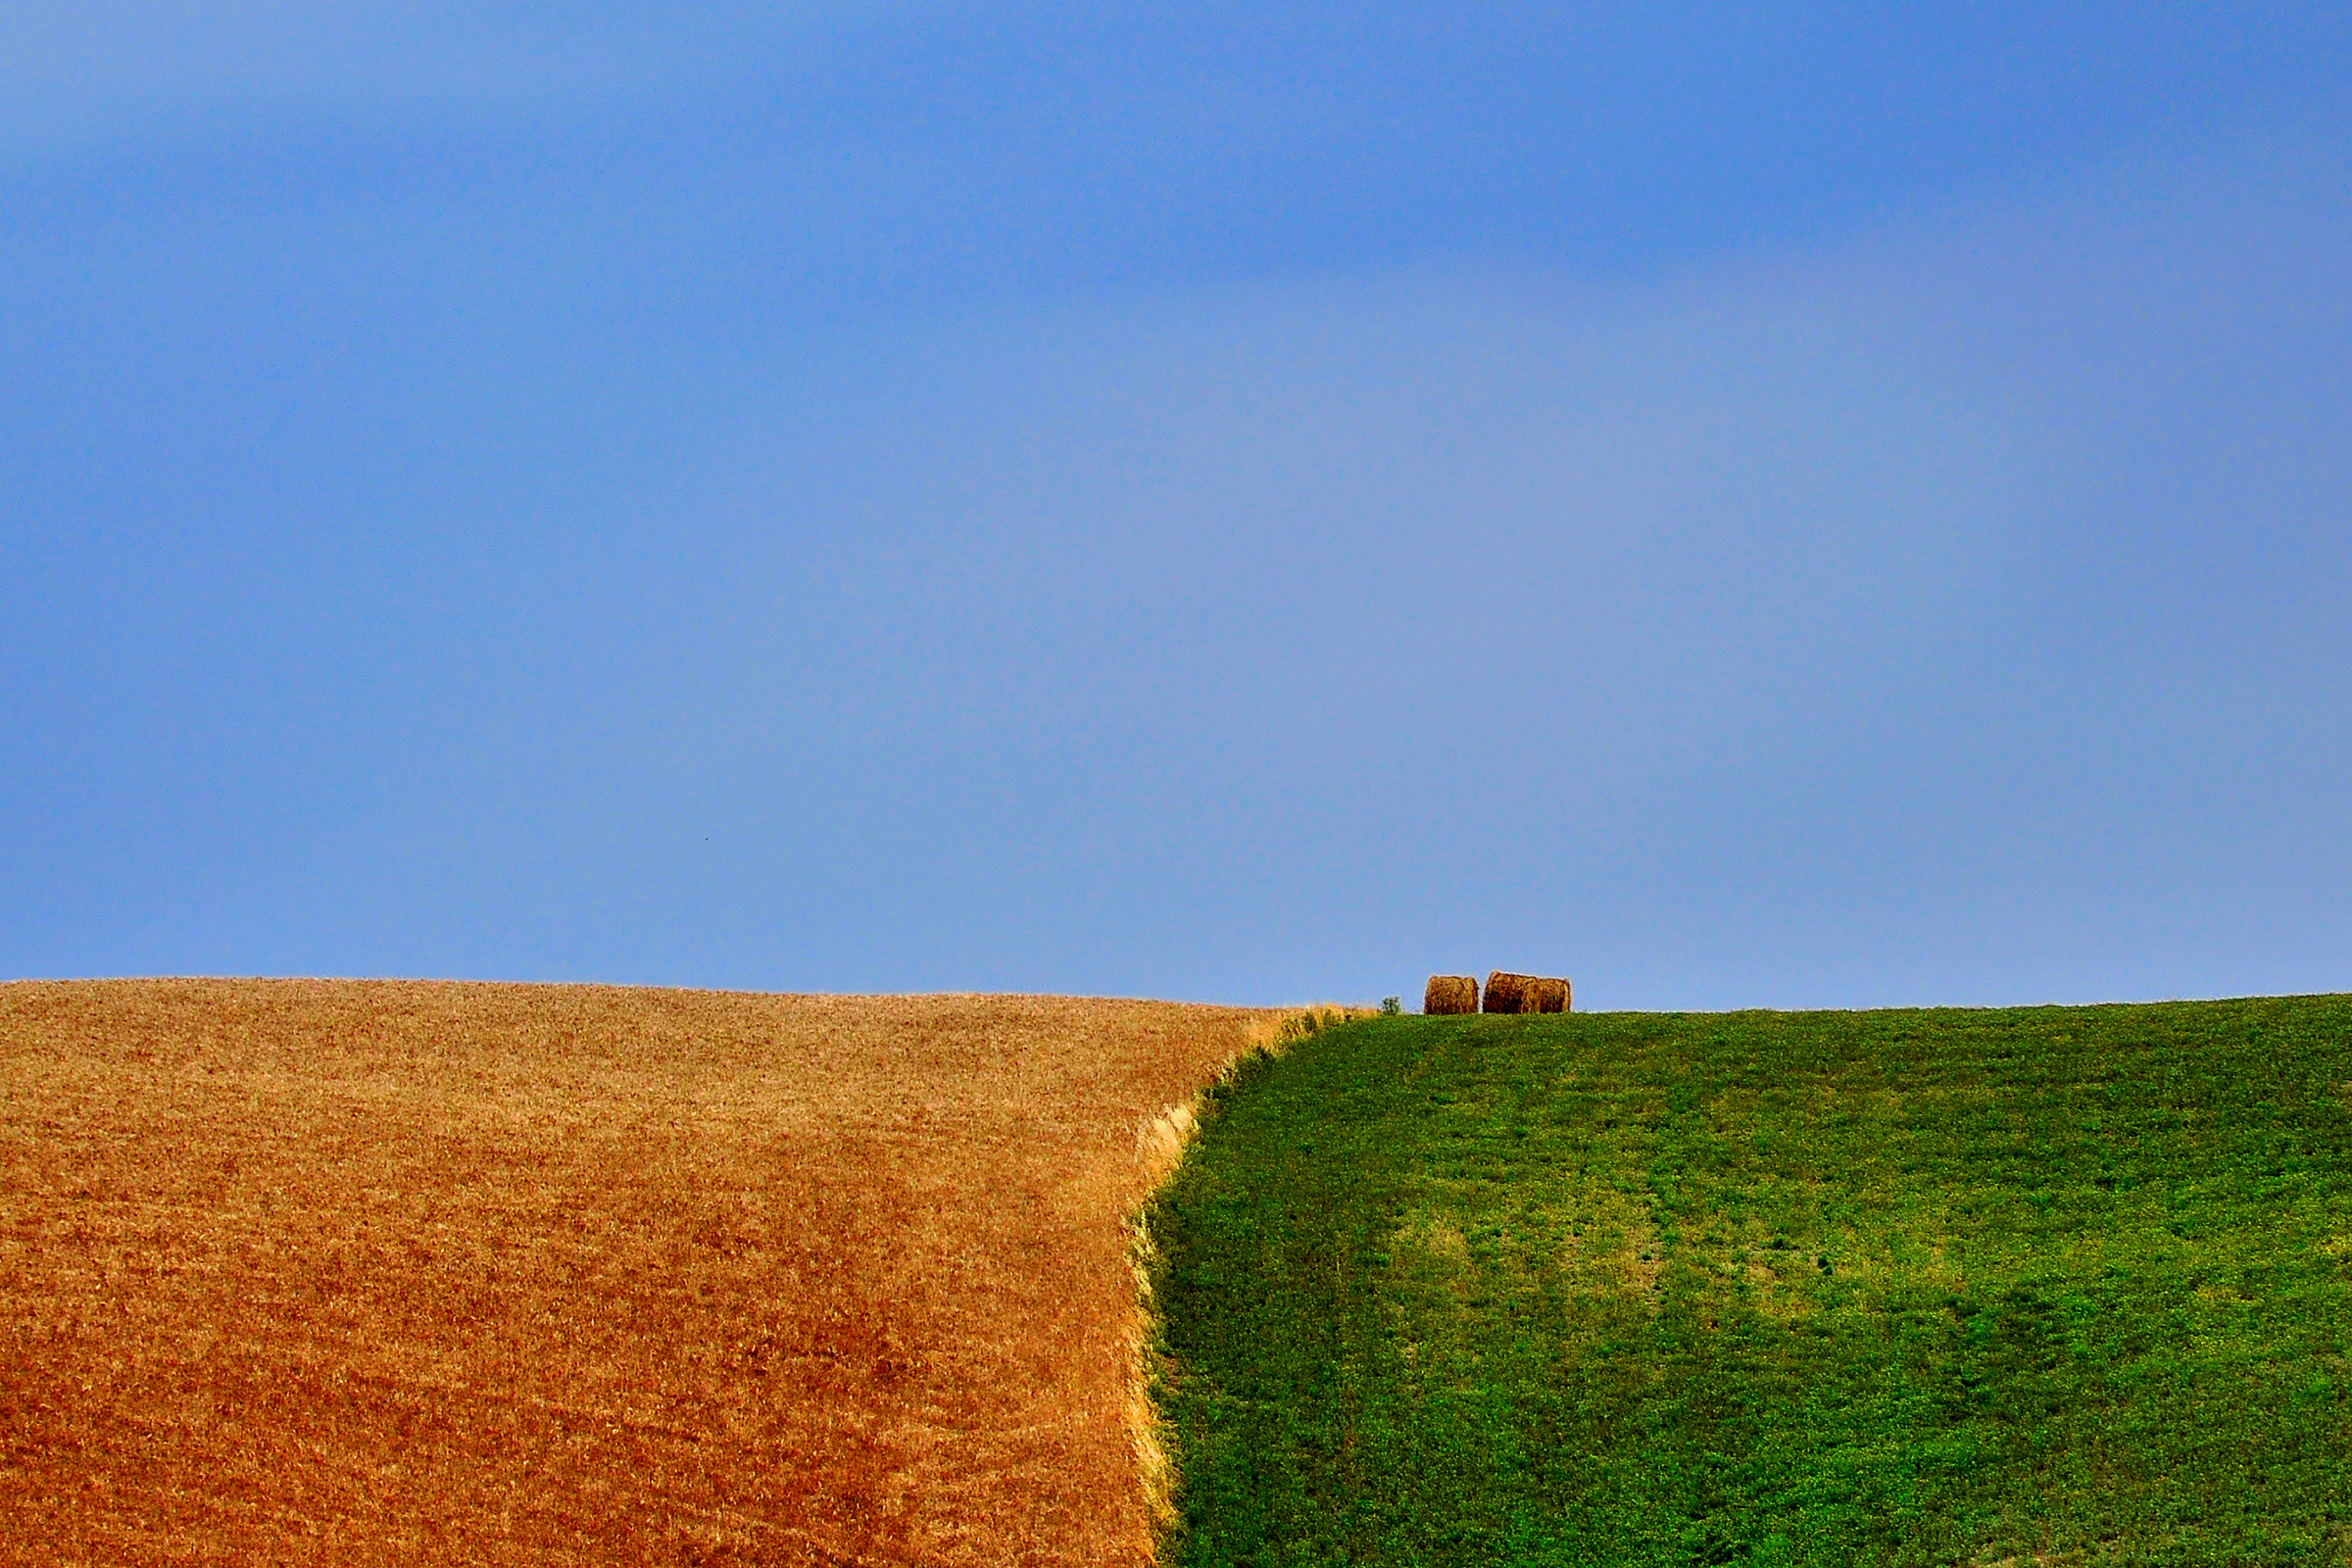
(1744, 506)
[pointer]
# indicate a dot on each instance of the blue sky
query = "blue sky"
(1763, 506)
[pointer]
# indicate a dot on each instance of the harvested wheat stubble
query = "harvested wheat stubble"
(357, 1272)
(1450, 994)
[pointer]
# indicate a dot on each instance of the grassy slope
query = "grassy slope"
(1828, 1288)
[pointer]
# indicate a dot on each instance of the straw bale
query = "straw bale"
(1526, 993)
(1508, 992)
(1450, 994)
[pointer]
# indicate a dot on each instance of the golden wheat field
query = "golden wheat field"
(372, 1272)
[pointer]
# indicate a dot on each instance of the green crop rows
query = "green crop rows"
(2066, 1285)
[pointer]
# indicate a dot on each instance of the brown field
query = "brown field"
(376, 1272)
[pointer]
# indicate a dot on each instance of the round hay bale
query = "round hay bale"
(1549, 994)
(1508, 992)
(1450, 992)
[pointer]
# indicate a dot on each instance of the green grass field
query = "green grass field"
(2040, 1285)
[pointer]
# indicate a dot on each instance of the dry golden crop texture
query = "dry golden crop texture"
(376, 1272)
